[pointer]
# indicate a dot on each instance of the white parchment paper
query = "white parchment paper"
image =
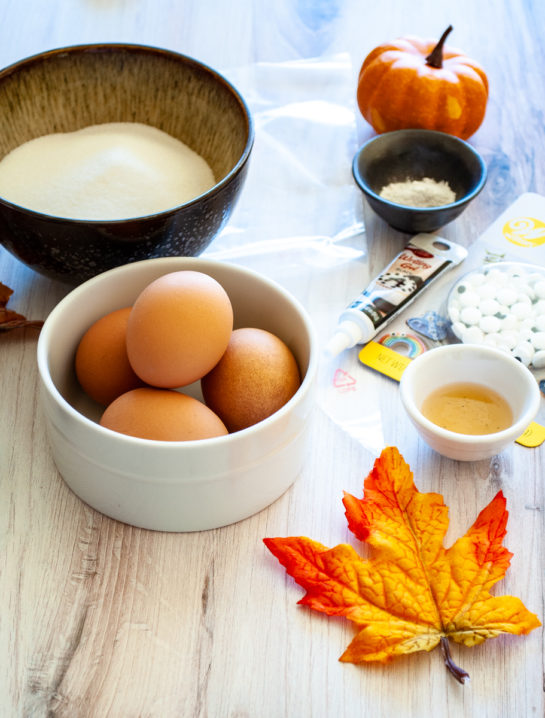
(299, 220)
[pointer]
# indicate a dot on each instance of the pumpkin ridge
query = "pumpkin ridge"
(472, 71)
(425, 103)
(385, 48)
(368, 96)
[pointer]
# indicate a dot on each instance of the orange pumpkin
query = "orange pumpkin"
(420, 83)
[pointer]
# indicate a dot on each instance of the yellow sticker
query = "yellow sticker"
(383, 359)
(533, 436)
(525, 231)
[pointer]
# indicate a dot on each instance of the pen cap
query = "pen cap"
(355, 329)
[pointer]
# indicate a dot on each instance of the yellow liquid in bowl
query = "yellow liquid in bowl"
(467, 408)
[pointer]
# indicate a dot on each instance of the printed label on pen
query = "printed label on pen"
(403, 278)
(419, 263)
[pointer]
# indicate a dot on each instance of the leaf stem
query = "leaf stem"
(457, 672)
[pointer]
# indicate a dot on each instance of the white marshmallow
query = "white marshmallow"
(495, 275)
(487, 290)
(539, 323)
(539, 289)
(454, 312)
(494, 338)
(524, 352)
(538, 340)
(507, 296)
(470, 315)
(509, 322)
(490, 324)
(509, 338)
(469, 298)
(521, 310)
(489, 306)
(539, 360)
(472, 335)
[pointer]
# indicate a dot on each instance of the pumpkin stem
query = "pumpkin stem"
(435, 58)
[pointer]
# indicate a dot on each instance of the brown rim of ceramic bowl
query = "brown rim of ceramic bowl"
(144, 49)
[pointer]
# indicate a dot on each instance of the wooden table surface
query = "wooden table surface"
(105, 620)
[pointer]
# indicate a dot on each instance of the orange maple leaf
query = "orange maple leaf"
(10, 319)
(412, 594)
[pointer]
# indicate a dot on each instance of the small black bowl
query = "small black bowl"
(413, 155)
(70, 88)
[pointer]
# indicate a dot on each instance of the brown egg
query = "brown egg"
(102, 364)
(255, 377)
(179, 328)
(163, 415)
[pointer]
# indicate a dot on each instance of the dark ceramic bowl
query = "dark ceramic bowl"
(70, 88)
(413, 155)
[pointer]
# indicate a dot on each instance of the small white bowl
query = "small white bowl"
(483, 365)
(174, 486)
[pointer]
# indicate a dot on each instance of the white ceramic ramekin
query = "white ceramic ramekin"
(484, 365)
(174, 486)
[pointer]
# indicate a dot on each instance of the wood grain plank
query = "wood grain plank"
(102, 620)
